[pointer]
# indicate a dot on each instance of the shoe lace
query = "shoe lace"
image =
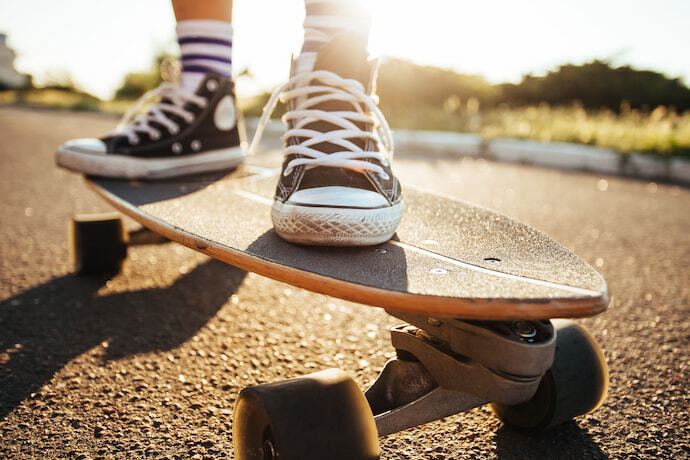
(331, 87)
(172, 99)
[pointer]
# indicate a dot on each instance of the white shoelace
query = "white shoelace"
(331, 87)
(131, 123)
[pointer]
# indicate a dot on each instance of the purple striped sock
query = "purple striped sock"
(205, 47)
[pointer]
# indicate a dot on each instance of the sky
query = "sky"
(97, 42)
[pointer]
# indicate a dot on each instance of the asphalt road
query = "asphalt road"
(149, 363)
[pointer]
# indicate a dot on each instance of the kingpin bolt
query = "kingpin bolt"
(524, 329)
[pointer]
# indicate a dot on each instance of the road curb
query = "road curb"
(559, 155)
(441, 142)
(555, 155)
(680, 171)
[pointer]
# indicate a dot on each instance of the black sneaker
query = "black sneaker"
(337, 186)
(182, 134)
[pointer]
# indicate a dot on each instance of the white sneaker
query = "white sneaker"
(337, 186)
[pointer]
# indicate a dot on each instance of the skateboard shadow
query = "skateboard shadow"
(381, 266)
(49, 325)
(567, 440)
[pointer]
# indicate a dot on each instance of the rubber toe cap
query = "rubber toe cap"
(85, 146)
(338, 196)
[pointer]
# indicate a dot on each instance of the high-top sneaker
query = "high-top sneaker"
(183, 133)
(336, 187)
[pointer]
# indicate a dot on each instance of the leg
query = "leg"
(324, 19)
(204, 32)
(193, 129)
(337, 186)
(217, 10)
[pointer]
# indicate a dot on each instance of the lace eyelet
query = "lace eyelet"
(134, 141)
(174, 130)
(211, 85)
(155, 136)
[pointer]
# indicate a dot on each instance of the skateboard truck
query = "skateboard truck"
(535, 374)
(445, 366)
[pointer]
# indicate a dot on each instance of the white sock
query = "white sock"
(205, 47)
(325, 19)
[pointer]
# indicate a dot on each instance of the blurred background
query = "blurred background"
(612, 74)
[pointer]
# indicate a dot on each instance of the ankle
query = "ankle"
(326, 18)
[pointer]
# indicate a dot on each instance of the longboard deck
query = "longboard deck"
(448, 257)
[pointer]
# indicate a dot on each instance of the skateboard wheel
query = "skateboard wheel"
(321, 415)
(576, 384)
(98, 243)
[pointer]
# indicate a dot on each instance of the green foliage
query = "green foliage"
(593, 103)
(404, 86)
(137, 83)
(597, 85)
(59, 92)
(53, 97)
(661, 131)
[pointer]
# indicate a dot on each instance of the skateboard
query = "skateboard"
(475, 289)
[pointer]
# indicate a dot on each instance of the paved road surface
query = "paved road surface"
(150, 361)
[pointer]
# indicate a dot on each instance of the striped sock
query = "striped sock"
(327, 18)
(205, 46)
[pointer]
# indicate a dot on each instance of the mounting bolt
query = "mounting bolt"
(524, 329)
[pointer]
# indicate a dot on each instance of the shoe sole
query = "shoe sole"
(323, 226)
(127, 167)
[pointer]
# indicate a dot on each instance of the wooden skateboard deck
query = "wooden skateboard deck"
(448, 257)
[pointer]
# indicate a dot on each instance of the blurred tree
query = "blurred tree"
(137, 83)
(62, 82)
(404, 85)
(597, 84)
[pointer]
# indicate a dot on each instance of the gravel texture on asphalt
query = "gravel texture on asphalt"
(150, 361)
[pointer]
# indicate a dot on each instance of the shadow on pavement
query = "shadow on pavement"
(49, 325)
(563, 441)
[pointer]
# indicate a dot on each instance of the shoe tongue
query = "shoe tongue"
(346, 55)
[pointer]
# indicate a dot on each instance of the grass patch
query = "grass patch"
(660, 132)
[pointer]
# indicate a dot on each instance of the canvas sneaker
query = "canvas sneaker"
(183, 133)
(336, 186)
